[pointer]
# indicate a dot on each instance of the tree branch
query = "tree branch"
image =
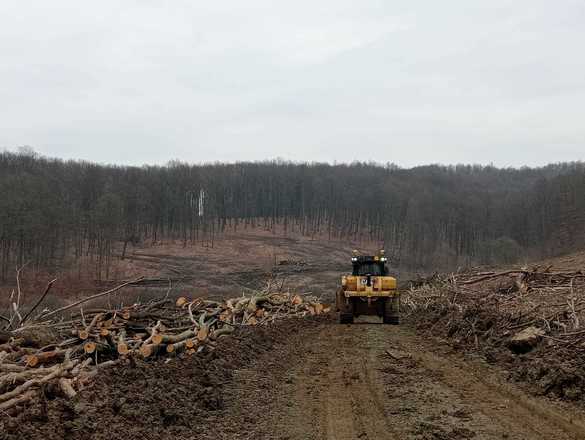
(89, 298)
(39, 301)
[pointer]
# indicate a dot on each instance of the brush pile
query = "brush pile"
(481, 304)
(534, 319)
(60, 355)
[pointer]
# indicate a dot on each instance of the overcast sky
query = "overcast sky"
(404, 81)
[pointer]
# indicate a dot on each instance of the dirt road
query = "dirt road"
(303, 380)
(370, 381)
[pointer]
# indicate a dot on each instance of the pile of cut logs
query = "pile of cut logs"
(63, 354)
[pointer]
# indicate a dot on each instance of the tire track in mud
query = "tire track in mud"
(500, 401)
(351, 405)
(373, 381)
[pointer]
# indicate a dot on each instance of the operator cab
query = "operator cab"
(363, 265)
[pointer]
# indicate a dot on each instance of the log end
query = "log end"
(123, 349)
(296, 300)
(202, 334)
(89, 347)
(146, 350)
(32, 360)
(181, 301)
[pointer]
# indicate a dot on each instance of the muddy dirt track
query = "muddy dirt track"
(306, 380)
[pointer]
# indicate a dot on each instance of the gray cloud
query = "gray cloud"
(406, 81)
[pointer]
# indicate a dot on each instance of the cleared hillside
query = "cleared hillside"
(58, 214)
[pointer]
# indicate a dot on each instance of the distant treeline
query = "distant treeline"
(53, 211)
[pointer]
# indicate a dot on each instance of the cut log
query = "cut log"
(153, 332)
(122, 348)
(10, 380)
(146, 350)
(89, 347)
(41, 358)
(203, 333)
(11, 368)
(296, 300)
(36, 382)
(181, 301)
(172, 339)
(66, 388)
(177, 347)
(26, 397)
(224, 331)
(84, 334)
(81, 366)
(150, 350)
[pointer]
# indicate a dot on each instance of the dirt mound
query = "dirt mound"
(165, 399)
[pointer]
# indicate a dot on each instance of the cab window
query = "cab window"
(363, 269)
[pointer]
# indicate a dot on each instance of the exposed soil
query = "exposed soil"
(305, 379)
(237, 262)
(247, 260)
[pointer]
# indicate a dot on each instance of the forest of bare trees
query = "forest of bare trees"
(54, 212)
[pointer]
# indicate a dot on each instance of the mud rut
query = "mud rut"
(370, 381)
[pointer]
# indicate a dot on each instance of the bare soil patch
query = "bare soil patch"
(305, 379)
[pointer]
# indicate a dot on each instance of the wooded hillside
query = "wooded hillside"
(53, 211)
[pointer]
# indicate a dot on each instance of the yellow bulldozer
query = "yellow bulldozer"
(368, 290)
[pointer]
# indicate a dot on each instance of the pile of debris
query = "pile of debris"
(62, 354)
(519, 315)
